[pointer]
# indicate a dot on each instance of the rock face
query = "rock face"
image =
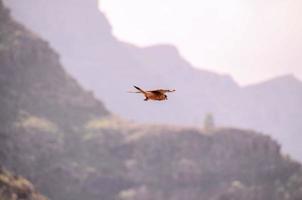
(31, 70)
(14, 187)
(110, 67)
(71, 148)
(172, 165)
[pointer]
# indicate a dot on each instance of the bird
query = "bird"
(156, 95)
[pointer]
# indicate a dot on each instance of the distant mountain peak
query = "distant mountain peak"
(288, 78)
(283, 80)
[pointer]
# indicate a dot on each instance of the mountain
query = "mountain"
(42, 111)
(71, 147)
(279, 110)
(83, 37)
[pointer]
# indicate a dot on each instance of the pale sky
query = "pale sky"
(252, 40)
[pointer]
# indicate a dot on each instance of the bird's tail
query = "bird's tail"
(139, 89)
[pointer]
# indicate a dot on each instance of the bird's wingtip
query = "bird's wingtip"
(136, 87)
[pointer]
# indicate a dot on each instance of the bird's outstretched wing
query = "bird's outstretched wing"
(134, 92)
(156, 92)
(162, 90)
(139, 90)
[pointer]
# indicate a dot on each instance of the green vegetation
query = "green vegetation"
(33, 122)
(208, 124)
(15, 187)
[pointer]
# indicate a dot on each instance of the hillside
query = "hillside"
(97, 59)
(70, 147)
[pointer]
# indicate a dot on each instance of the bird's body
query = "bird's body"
(157, 95)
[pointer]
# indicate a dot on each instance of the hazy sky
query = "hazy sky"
(250, 39)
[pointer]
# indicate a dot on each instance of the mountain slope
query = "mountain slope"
(42, 111)
(279, 110)
(91, 54)
(45, 81)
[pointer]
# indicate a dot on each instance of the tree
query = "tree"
(208, 123)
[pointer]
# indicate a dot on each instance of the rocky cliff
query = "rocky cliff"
(13, 187)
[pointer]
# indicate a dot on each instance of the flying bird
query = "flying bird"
(157, 95)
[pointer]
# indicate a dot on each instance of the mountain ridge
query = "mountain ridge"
(121, 65)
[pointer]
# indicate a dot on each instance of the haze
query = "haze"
(252, 40)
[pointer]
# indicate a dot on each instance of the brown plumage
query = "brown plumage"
(157, 95)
